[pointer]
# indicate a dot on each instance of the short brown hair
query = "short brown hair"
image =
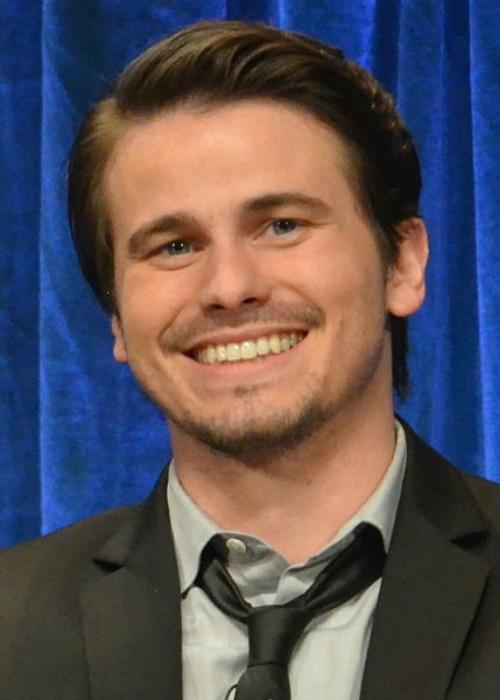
(225, 61)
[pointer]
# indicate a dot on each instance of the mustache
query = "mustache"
(304, 315)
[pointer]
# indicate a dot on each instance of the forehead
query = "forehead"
(189, 154)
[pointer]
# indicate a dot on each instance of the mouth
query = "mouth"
(247, 350)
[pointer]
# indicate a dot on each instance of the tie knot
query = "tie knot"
(273, 632)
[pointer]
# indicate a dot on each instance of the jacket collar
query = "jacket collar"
(131, 610)
(430, 591)
(432, 583)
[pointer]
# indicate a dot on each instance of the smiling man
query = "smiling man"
(245, 206)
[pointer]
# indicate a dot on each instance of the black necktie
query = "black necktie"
(274, 630)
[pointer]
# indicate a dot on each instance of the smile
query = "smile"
(248, 350)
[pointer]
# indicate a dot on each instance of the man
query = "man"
(245, 205)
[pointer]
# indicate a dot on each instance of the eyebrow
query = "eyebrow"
(178, 222)
(273, 200)
(175, 222)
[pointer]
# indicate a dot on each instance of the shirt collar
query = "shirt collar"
(192, 529)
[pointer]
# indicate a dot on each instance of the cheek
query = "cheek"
(343, 281)
(150, 301)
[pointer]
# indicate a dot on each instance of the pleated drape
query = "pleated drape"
(76, 434)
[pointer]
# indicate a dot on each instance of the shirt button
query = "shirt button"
(236, 547)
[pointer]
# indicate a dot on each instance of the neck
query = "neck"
(295, 502)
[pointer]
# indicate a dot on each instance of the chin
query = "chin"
(251, 438)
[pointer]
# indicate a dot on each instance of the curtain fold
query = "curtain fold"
(19, 278)
(76, 434)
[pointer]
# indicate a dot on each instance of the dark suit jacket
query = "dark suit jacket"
(93, 612)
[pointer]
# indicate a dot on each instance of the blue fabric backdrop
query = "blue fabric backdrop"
(76, 435)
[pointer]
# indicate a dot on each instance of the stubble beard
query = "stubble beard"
(255, 432)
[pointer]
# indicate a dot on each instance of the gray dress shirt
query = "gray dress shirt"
(329, 659)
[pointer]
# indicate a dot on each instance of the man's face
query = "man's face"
(252, 299)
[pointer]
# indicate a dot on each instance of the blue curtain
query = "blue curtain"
(76, 434)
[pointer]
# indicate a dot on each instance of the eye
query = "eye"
(175, 253)
(175, 248)
(283, 226)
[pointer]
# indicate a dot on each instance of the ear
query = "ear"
(119, 348)
(405, 286)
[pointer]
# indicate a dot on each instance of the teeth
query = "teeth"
(275, 344)
(248, 349)
(233, 352)
(220, 353)
(285, 343)
(262, 346)
(211, 354)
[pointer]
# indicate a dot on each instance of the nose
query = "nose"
(234, 276)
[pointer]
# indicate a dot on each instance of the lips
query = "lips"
(248, 349)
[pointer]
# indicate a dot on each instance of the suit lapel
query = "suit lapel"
(431, 588)
(432, 583)
(131, 611)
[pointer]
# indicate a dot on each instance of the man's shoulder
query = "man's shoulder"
(487, 495)
(436, 479)
(63, 554)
